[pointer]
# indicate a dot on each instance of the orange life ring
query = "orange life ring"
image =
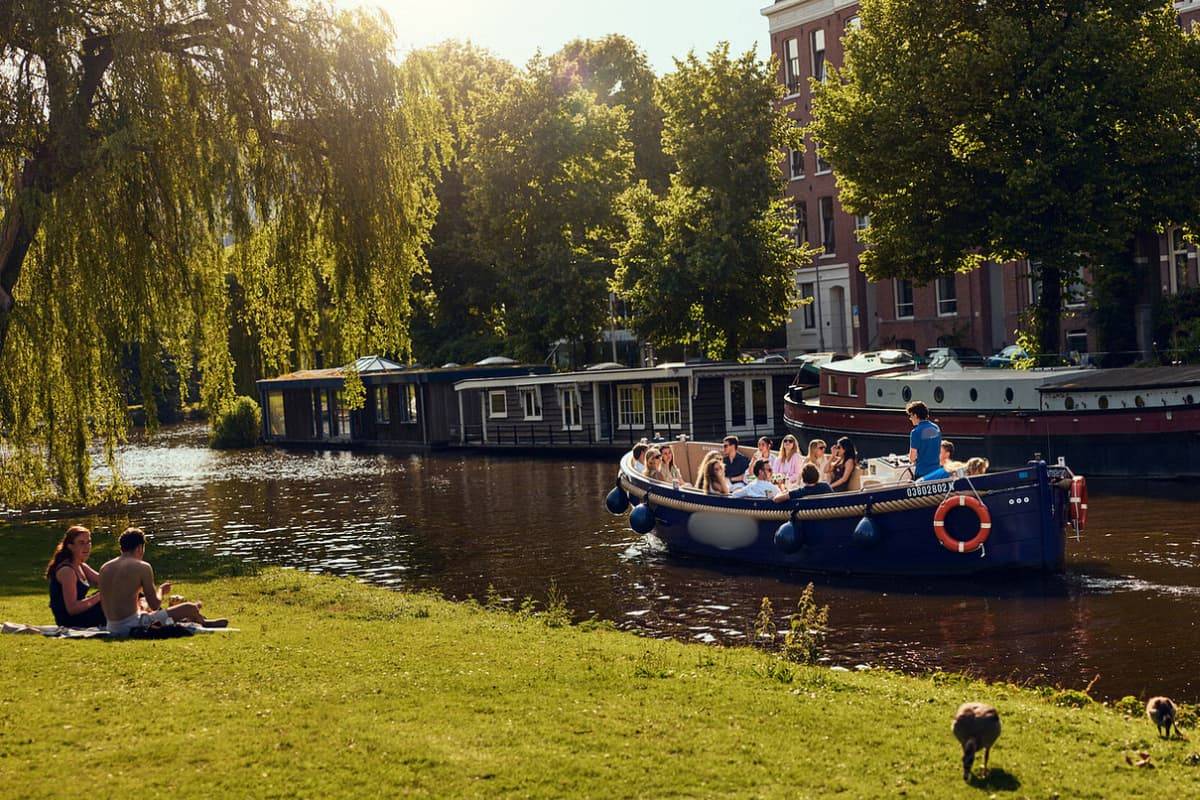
(948, 541)
(1078, 506)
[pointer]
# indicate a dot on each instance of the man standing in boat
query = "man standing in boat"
(925, 441)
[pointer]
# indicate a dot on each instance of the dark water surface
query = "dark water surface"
(1127, 608)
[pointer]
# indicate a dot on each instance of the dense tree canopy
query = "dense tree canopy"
(1053, 130)
(138, 135)
(546, 167)
(710, 263)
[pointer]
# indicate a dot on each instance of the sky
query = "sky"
(516, 29)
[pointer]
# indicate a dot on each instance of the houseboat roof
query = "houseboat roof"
(380, 370)
(626, 374)
(982, 374)
(1125, 378)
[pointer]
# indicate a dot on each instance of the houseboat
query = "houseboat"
(1133, 422)
(1011, 520)
(608, 406)
(405, 408)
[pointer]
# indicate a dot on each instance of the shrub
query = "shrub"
(1130, 706)
(1070, 698)
(807, 630)
(236, 425)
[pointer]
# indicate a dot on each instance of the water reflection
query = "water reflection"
(458, 523)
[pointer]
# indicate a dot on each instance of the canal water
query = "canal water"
(1126, 609)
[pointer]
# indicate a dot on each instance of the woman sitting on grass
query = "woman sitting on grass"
(70, 577)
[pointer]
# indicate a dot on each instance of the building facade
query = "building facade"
(980, 309)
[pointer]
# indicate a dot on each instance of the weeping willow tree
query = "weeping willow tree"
(138, 138)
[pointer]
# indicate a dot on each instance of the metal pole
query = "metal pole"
(817, 300)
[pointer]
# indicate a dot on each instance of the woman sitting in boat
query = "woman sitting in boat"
(639, 457)
(977, 466)
(818, 457)
(672, 472)
(761, 487)
(654, 470)
(788, 463)
(764, 452)
(712, 475)
(843, 470)
(812, 484)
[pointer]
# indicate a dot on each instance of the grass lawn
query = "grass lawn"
(335, 689)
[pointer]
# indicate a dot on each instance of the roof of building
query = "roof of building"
(628, 374)
(1125, 379)
(378, 370)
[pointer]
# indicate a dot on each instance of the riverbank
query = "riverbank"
(333, 688)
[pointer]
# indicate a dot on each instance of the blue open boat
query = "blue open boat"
(1016, 519)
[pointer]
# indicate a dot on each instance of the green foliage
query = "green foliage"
(1130, 706)
(542, 178)
(765, 630)
(710, 262)
(237, 424)
(1177, 326)
(807, 630)
(556, 615)
(1071, 698)
(994, 131)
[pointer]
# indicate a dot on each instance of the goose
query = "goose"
(1161, 712)
(976, 726)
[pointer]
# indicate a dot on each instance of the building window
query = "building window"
(1077, 342)
(497, 404)
(854, 23)
(343, 416)
(1179, 260)
(321, 423)
(904, 300)
(572, 409)
(791, 60)
(826, 211)
(383, 414)
(1075, 295)
(275, 414)
(408, 402)
(797, 164)
(531, 401)
(631, 407)
(667, 410)
(862, 222)
(823, 166)
(852, 387)
(818, 54)
(801, 223)
(748, 403)
(809, 308)
(947, 296)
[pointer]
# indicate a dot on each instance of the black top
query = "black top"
(58, 603)
(735, 468)
(810, 490)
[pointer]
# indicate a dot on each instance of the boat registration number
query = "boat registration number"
(926, 489)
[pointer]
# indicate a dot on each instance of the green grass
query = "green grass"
(336, 689)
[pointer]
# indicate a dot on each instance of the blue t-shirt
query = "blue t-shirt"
(938, 474)
(926, 439)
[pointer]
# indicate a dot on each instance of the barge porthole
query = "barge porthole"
(906, 394)
(938, 395)
(879, 393)
(1103, 401)
(1139, 402)
(1008, 395)
(1069, 403)
(1189, 399)
(974, 395)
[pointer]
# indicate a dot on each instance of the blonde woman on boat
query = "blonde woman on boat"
(818, 458)
(788, 463)
(977, 466)
(672, 472)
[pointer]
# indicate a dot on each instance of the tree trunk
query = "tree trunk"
(1049, 310)
(17, 232)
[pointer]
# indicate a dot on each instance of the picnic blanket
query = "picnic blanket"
(57, 632)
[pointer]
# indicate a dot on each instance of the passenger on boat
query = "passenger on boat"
(70, 577)
(947, 452)
(844, 467)
(712, 477)
(736, 464)
(925, 441)
(674, 475)
(947, 465)
(787, 464)
(761, 486)
(977, 466)
(639, 457)
(810, 476)
(764, 450)
(654, 465)
(818, 457)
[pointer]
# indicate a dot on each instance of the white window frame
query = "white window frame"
(635, 390)
(852, 386)
(820, 69)
(492, 413)
(862, 222)
(666, 417)
(808, 318)
(1176, 245)
(942, 301)
(747, 382)
(280, 429)
(912, 301)
(791, 67)
(823, 166)
(524, 395)
(832, 237)
(795, 156)
(831, 385)
(575, 402)
(383, 413)
(801, 227)
(408, 403)
(1075, 296)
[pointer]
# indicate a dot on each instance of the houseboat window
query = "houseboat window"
(1069, 403)
(758, 396)
(974, 395)
(572, 409)
(667, 409)
(947, 296)
(343, 415)
(852, 387)
(497, 404)
(737, 403)
(906, 393)
(275, 413)
(321, 406)
(1103, 401)
(1008, 395)
(832, 385)
(531, 401)
(631, 407)
(408, 402)
(383, 413)
(1188, 400)
(1139, 402)
(938, 395)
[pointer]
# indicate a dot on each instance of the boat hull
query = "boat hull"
(1027, 508)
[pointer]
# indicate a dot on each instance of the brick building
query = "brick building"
(979, 309)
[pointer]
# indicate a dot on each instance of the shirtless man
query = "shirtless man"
(128, 575)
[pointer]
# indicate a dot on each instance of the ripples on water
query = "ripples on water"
(1126, 609)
